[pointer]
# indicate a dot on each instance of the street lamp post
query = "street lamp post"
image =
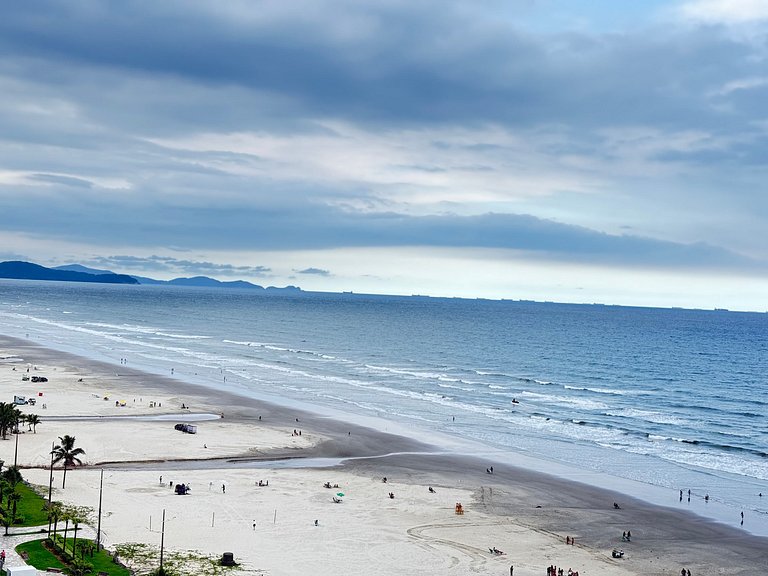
(98, 527)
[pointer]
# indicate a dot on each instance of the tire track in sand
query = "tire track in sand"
(477, 557)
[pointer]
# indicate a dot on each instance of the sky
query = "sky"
(561, 150)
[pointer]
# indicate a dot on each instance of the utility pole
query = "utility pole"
(162, 540)
(16, 452)
(98, 528)
(50, 482)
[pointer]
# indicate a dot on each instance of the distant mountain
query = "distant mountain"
(81, 268)
(145, 280)
(205, 281)
(28, 271)
(212, 283)
(200, 281)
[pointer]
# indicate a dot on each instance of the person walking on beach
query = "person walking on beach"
(511, 570)
(223, 488)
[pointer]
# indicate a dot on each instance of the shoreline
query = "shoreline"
(507, 499)
(554, 451)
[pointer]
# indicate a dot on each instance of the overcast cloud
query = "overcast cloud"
(247, 139)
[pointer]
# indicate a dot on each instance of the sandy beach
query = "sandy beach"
(124, 420)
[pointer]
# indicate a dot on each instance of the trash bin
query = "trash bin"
(228, 559)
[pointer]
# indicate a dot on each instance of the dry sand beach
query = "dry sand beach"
(272, 530)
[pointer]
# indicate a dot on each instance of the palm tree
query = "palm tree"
(13, 500)
(6, 519)
(12, 476)
(33, 420)
(9, 514)
(9, 417)
(67, 453)
(4, 485)
(76, 519)
(79, 567)
(54, 513)
(18, 418)
(66, 527)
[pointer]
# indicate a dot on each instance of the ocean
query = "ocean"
(644, 401)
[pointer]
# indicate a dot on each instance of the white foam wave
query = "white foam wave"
(649, 416)
(149, 330)
(597, 390)
(584, 403)
(465, 389)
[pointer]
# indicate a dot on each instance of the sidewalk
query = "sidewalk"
(19, 534)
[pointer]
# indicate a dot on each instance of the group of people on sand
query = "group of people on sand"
(685, 572)
(570, 540)
(263, 483)
(328, 485)
(182, 489)
(555, 571)
(626, 536)
(495, 550)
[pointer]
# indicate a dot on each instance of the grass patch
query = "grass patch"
(41, 558)
(31, 508)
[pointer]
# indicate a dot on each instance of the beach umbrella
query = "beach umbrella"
(340, 494)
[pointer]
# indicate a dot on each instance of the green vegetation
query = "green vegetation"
(144, 559)
(31, 508)
(9, 497)
(41, 557)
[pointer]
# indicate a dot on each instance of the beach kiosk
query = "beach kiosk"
(21, 571)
